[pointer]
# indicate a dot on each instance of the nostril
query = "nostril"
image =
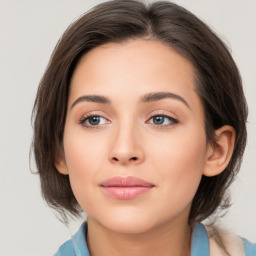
(131, 159)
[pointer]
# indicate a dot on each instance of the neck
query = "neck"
(168, 239)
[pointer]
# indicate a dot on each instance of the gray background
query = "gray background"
(29, 30)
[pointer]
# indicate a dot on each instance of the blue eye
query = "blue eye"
(163, 120)
(94, 121)
(158, 119)
(89, 121)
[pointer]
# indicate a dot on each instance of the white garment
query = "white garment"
(233, 243)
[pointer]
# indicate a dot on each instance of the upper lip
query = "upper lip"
(129, 181)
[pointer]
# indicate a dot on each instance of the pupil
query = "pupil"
(159, 120)
(94, 120)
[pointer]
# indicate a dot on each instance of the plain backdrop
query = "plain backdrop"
(29, 30)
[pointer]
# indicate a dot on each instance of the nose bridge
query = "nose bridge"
(126, 143)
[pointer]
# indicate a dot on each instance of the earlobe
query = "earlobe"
(220, 152)
(60, 163)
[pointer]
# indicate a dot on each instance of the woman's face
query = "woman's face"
(134, 138)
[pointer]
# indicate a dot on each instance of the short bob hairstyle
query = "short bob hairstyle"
(217, 81)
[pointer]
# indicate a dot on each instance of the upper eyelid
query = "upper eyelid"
(155, 113)
(95, 113)
(162, 113)
(92, 115)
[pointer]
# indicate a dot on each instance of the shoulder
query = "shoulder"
(76, 245)
(66, 249)
(223, 242)
(250, 248)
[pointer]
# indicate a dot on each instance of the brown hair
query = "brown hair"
(218, 84)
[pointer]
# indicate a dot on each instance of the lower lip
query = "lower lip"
(126, 193)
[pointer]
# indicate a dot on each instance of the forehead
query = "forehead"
(134, 67)
(141, 53)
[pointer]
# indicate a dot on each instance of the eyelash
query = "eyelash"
(172, 121)
(84, 119)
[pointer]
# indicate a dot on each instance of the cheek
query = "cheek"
(83, 151)
(83, 157)
(180, 160)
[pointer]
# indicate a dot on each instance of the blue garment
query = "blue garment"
(200, 244)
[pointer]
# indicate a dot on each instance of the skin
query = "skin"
(128, 142)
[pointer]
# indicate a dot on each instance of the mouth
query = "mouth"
(126, 188)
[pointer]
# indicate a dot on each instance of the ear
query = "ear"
(220, 152)
(60, 162)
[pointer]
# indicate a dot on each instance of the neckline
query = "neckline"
(199, 246)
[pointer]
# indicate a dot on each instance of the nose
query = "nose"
(127, 147)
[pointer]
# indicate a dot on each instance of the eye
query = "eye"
(163, 120)
(92, 121)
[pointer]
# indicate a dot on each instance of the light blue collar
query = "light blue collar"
(79, 241)
(200, 243)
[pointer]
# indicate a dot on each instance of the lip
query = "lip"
(126, 188)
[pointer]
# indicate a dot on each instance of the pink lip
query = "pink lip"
(125, 188)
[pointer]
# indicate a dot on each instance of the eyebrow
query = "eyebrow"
(92, 98)
(149, 97)
(155, 96)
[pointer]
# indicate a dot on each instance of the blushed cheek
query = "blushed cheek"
(81, 173)
(182, 166)
(83, 158)
(82, 152)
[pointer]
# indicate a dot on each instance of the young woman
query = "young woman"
(140, 121)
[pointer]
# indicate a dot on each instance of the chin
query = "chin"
(129, 227)
(126, 221)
